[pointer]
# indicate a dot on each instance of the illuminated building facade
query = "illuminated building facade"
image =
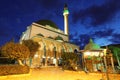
(96, 58)
(53, 41)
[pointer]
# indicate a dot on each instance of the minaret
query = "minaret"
(65, 14)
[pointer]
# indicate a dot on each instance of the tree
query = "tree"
(32, 45)
(69, 61)
(116, 53)
(15, 51)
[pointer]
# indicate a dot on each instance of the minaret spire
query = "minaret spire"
(65, 14)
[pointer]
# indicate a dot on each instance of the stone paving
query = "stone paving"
(55, 73)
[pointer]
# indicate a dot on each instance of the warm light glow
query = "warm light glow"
(93, 54)
(101, 54)
(52, 57)
(36, 55)
(96, 53)
(43, 56)
(87, 53)
(105, 51)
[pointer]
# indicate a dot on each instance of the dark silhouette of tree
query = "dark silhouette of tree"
(32, 45)
(15, 51)
(116, 53)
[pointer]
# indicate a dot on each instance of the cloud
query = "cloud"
(115, 38)
(103, 33)
(101, 36)
(97, 15)
(81, 40)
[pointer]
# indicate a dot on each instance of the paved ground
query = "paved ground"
(53, 73)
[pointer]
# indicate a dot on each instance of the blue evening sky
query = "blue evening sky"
(96, 19)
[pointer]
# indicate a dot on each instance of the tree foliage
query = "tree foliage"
(15, 51)
(114, 49)
(32, 45)
(116, 53)
(69, 61)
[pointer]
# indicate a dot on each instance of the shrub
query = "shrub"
(69, 61)
(6, 61)
(13, 69)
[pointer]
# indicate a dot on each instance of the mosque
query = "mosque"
(53, 41)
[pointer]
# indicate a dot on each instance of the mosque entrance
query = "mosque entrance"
(49, 58)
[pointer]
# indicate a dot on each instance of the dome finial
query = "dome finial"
(65, 5)
(91, 41)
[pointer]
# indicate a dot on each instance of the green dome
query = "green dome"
(47, 22)
(91, 46)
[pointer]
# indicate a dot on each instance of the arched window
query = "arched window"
(75, 51)
(39, 34)
(50, 37)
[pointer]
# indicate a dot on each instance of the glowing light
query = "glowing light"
(87, 53)
(66, 12)
(43, 56)
(36, 55)
(105, 51)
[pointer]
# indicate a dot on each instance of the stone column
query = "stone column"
(46, 61)
(112, 62)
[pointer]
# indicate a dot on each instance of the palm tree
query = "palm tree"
(116, 51)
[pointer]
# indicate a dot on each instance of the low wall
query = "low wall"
(16, 76)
